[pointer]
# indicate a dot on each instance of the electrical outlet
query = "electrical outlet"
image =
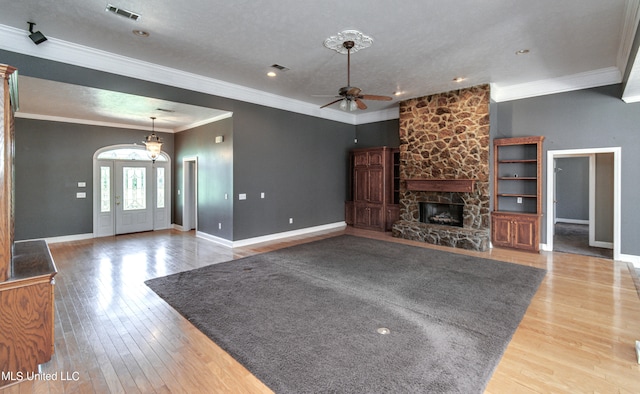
(262, 195)
(219, 226)
(519, 200)
(290, 220)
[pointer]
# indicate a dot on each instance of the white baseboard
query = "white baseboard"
(213, 238)
(601, 244)
(630, 258)
(572, 221)
(64, 238)
(270, 237)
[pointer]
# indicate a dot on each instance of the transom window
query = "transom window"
(128, 154)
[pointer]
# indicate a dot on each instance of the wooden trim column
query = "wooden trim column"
(6, 173)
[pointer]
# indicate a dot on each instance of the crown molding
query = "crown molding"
(585, 80)
(631, 93)
(629, 27)
(63, 119)
(203, 122)
(15, 40)
(379, 116)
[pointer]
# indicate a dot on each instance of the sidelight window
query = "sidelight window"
(105, 189)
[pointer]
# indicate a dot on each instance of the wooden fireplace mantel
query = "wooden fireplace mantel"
(441, 185)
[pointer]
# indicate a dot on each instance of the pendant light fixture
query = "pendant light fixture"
(153, 142)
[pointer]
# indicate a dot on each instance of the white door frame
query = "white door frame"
(189, 186)
(591, 198)
(617, 183)
(101, 225)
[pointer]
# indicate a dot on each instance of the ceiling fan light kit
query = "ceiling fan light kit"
(346, 42)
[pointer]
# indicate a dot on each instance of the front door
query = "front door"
(133, 197)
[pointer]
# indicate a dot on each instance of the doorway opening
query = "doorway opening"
(584, 217)
(131, 193)
(190, 194)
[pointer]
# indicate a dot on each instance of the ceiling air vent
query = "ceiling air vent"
(279, 67)
(121, 12)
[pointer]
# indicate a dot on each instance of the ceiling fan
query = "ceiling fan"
(350, 96)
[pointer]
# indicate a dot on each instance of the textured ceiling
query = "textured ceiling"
(418, 48)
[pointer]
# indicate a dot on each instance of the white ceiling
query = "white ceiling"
(227, 47)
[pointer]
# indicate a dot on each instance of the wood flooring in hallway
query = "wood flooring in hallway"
(114, 335)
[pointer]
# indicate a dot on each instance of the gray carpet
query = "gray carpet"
(574, 238)
(304, 319)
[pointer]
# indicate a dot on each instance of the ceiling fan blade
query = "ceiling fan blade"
(375, 97)
(325, 95)
(361, 104)
(333, 102)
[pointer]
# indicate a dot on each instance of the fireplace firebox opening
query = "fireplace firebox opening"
(444, 214)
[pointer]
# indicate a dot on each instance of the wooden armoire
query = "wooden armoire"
(374, 188)
(26, 268)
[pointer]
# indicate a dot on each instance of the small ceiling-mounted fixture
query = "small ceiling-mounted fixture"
(522, 52)
(140, 33)
(122, 12)
(153, 142)
(37, 37)
(279, 67)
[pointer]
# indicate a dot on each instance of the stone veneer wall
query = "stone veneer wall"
(446, 136)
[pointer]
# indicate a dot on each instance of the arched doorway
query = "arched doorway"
(131, 193)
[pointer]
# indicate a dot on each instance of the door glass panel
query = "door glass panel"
(105, 189)
(160, 187)
(133, 188)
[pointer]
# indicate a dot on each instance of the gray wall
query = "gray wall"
(375, 134)
(50, 159)
(604, 197)
(298, 161)
(591, 118)
(572, 188)
(215, 176)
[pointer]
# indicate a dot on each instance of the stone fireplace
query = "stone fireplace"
(444, 160)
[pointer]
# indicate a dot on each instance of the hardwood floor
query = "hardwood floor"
(113, 334)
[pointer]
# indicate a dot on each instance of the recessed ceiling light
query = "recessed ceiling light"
(522, 52)
(141, 33)
(458, 79)
(271, 74)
